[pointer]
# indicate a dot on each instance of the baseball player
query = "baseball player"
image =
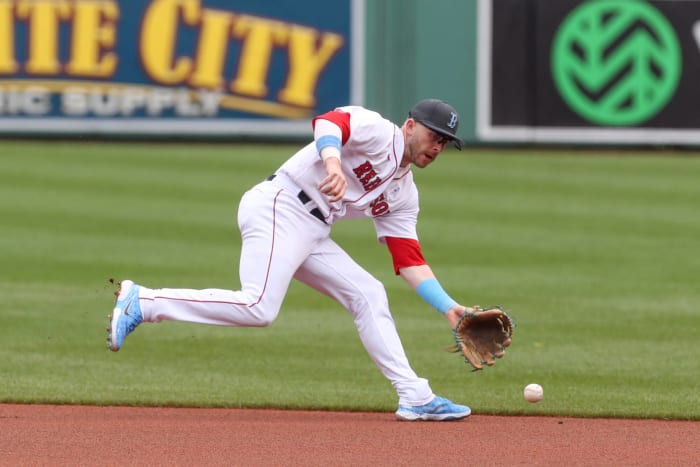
(358, 166)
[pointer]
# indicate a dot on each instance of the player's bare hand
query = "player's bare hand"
(334, 185)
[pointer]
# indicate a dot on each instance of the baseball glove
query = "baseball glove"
(483, 335)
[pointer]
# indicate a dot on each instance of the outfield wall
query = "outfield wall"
(605, 71)
(519, 71)
(176, 67)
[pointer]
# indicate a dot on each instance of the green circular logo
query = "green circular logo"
(616, 62)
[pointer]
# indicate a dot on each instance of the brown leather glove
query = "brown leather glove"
(482, 335)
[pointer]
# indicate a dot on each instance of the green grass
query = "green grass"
(596, 253)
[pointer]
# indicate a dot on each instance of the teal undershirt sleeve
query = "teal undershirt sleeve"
(432, 292)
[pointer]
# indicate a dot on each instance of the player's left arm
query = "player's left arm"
(410, 264)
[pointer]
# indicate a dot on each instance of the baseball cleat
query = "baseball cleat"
(125, 316)
(439, 409)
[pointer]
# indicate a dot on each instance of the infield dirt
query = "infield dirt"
(66, 435)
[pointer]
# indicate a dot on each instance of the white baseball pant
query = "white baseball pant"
(281, 240)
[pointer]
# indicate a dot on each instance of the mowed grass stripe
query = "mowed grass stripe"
(594, 252)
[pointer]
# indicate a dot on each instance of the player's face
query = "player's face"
(424, 145)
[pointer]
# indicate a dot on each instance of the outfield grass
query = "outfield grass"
(596, 253)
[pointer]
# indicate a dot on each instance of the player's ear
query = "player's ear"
(410, 125)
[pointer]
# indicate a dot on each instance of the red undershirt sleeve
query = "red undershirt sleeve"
(340, 118)
(405, 252)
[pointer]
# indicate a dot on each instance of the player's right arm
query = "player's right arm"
(334, 184)
(331, 131)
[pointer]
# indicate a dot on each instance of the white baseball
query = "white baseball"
(533, 392)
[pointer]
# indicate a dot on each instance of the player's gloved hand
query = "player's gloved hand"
(481, 335)
(334, 185)
(455, 313)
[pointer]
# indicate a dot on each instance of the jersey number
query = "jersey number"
(379, 206)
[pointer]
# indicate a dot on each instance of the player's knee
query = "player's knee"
(373, 296)
(264, 322)
(263, 316)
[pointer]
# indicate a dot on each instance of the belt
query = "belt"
(305, 199)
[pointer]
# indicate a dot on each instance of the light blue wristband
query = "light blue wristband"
(328, 140)
(432, 292)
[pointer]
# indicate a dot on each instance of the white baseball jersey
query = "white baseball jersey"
(377, 187)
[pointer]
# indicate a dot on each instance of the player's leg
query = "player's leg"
(330, 270)
(277, 235)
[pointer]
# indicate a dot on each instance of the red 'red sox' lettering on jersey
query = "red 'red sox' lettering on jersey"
(379, 206)
(370, 158)
(367, 176)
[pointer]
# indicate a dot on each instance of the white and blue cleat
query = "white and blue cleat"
(126, 315)
(439, 409)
